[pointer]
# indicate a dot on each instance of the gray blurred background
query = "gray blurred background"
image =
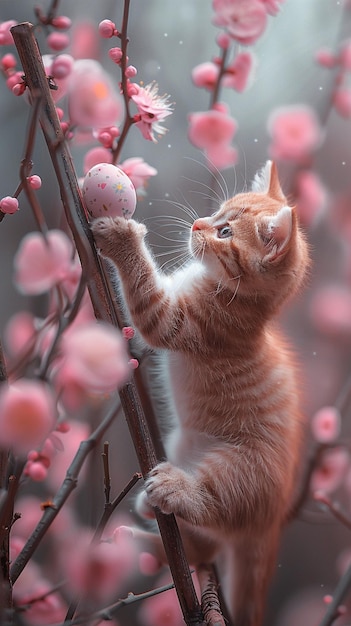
(167, 39)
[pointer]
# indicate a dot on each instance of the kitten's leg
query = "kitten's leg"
(145, 288)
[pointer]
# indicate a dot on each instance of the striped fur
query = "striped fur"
(233, 458)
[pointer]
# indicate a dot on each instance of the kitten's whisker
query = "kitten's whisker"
(216, 175)
(236, 289)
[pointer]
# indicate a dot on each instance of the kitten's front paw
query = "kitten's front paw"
(170, 489)
(110, 232)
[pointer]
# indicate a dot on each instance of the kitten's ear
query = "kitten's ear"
(275, 232)
(267, 181)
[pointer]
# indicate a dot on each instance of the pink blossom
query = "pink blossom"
(44, 607)
(40, 263)
(212, 131)
(326, 424)
(272, 6)
(244, 20)
(106, 29)
(238, 73)
(311, 196)
(295, 132)
(96, 570)
(9, 205)
(92, 99)
(95, 156)
(27, 414)
(6, 38)
(94, 359)
(57, 41)
(331, 470)
(162, 609)
(330, 311)
(342, 101)
(326, 58)
(78, 432)
(138, 171)
(20, 332)
(152, 110)
(205, 75)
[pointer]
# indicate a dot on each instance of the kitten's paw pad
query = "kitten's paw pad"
(168, 487)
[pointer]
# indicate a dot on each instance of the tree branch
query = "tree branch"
(103, 303)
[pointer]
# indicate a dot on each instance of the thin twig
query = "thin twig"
(334, 508)
(69, 484)
(210, 603)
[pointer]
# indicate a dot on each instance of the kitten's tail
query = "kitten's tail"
(245, 567)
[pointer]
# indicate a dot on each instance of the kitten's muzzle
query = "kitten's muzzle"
(200, 224)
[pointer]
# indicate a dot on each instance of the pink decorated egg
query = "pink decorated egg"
(107, 190)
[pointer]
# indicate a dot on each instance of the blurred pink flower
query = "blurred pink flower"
(20, 332)
(27, 414)
(63, 71)
(272, 6)
(96, 570)
(95, 156)
(79, 431)
(152, 110)
(93, 101)
(295, 132)
(212, 131)
(138, 171)
(205, 75)
(331, 470)
(326, 424)
(244, 20)
(93, 360)
(163, 608)
(238, 73)
(326, 58)
(330, 310)
(311, 196)
(44, 607)
(342, 101)
(40, 263)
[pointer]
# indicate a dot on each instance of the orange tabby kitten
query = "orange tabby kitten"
(233, 457)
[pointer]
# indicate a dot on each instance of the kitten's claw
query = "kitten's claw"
(169, 488)
(109, 232)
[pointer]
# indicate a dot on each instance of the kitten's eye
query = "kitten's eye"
(224, 231)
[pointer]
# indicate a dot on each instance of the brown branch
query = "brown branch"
(103, 303)
(210, 603)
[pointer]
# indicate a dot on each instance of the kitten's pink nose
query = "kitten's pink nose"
(199, 224)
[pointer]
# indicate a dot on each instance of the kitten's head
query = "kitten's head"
(254, 236)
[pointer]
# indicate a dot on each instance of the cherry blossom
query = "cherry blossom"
(9, 205)
(331, 470)
(311, 196)
(27, 414)
(330, 310)
(212, 131)
(238, 73)
(152, 110)
(295, 132)
(138, 171)
(92, 99)
(244, 20)
(205, 75)
(326, 424)
(40, 263)
(20, 332)
(93, 360)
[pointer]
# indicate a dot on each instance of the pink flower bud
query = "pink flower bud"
(8, 62)
(34, 181)
(131, 71)
(9, 205)
(326, 424)
(19, 88)
(36, 471)
(6, 38)
(205, 75)
(106, 29)
(326, 58)
(27, 413)
(115, 54)
(62, 22)
(57, 41)
(62, 66)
